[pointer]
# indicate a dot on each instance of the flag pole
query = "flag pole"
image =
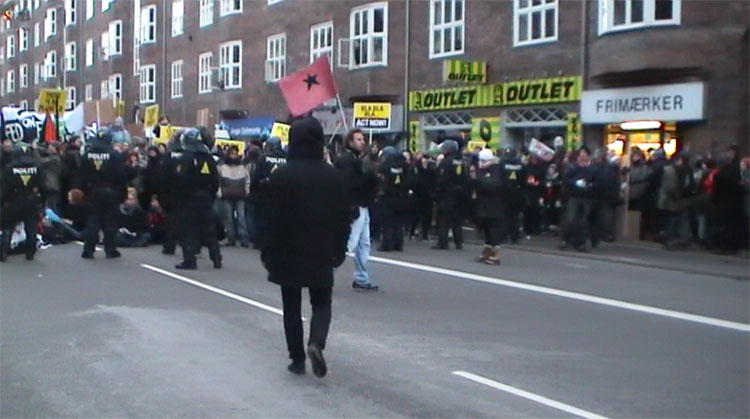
(341, 109)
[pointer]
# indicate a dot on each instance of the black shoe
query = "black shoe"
(217, 263)
(297, 367)
(87, 255)
(439, 247)
(365, 287)
(320, 369)
(384, 249)
(113, 254)
(166, 251)
(459, 246)
(186, 266)
(29, 256)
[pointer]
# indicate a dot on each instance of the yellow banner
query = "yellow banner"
(151, 116)
(465, 71)
(572, 131)
(237, 143)
(483, 129)
(120, 108)
(52, 100)
(281, 131)
(373, 116)
(166, 133)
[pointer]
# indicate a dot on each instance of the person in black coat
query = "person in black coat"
(577, 180)
(304, 237)
(422, 184)
(451, 185)
(488, 187)
(393, 199)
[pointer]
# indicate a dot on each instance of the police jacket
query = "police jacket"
(513, 178)
(267, 164)
(393, 174)
(452, 180)
(195, 181)
(22, 182)
(102, 168)
(362, 184)
(489, 192)
(422, 181)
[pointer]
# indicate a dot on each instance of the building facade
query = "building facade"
(506, 71)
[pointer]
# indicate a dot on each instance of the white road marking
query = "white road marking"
(578, 265)
(526, 395)
(216, 290)
(695, 318)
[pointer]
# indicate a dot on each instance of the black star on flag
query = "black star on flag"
(310, 80)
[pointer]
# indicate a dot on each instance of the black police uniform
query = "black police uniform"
(513, 177)
(195, 183)
(167, 195)
(267, 164)
(452, 184)
(393, 202)
(22, 187)
(104, 182)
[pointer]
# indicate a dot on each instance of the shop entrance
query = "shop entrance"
(647, 137)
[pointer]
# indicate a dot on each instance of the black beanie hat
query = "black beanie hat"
(306, 140)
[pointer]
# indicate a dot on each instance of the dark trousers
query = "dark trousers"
(509, 223)
(197, 226)
(12, 216)
(171, 236)
(393, 230)
(532, 220)
(491, 228)
(320, 299)
(576, 223)
(103, 217)
(422, 216)
(449, 218)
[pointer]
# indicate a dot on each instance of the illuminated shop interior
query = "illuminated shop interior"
(645, 135)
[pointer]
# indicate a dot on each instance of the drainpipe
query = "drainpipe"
(407, 59)
(584, 57)
(164, 56)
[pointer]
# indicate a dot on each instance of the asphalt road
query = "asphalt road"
(543, 335)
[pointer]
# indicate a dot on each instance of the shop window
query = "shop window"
(616, 15)
(368, 27)
(534, 21)
(446, 27)
(619, 140)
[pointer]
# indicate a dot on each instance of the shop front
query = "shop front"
(646, 117)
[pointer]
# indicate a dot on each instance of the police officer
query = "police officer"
(393, 199)
(195, 183)
(271, 160)
(104, 183)
(22, 187)
(452, 183)
(166, 195)
(513, 176)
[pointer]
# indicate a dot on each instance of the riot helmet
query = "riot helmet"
(449, 146)
(273, 144)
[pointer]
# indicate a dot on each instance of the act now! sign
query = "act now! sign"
(372, 116)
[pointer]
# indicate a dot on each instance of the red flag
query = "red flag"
(49, 134)
(309, 87)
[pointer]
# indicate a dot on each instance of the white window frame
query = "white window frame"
(453, 27)
(275, 57)
(230, 7)
(370, 36)
(23, 39)
(148, 85)
(90, 9)
(115, 40)
(177, 67)
(37, 35)
(50, 23)
(104, 46)
(136, 38)
(104, 89)
(227, 65)
(37, 73)
(106, 4)
(2, 54)
(115, 86)
(70, 12)
(50, 64)
(11, 81)
(70, 98)
(148, 26)
(88, 92)
(607, 19)
(89, 50)
(270, 2)
(178, 17)
(321, 33)
(528, 12)
(204, 72)
(23, 76)
(70, 56)
(206, 13)
(24, 104)
(10, 43)
(36, 4)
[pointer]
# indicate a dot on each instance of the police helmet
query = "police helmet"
(449, 146)
(273, 144)
(22, 152)
(509, 152)
(190, 138)
(105, 135)
(206, 137)
(389, 152)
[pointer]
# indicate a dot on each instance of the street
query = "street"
(542, 335)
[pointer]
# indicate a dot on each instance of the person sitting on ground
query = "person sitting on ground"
(74, 215)
(156, 219)
(132, 228)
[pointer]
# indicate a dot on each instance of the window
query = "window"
(115, 37)
(105, 46)
(88, 92)
(115, 86)
(36, 73)
(89, 52)
(228, 7)
(36, 34)
(2, 55)
(11, 81)
(206, 13)
(50, 64)
(369, 29)
(89, 9)
(230, 63)
(24, 104)
(321, 41)
(106, 4)
(148, 24)
(104, 90)
(23, 39)
(177, 79)
(204, 72)
(446, 27)
(534, 21)
(136, 37)
(70, 99)
(617, 15)
(2, 86)
(36, 4)
(70, 12)
(270, 2)
(70, 56)
(148, 83)
(276, 58)
(10, 44)
(23, 73)
(50, 24)
(178, 10)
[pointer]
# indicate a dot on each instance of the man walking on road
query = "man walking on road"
(362, 189)
(300, 248)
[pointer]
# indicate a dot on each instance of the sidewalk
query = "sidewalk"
(646, 254)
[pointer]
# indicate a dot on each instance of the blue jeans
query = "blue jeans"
(359, 244)
(231, 210)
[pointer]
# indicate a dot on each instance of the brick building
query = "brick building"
(527, 68)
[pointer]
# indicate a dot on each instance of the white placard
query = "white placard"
(667, 102)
